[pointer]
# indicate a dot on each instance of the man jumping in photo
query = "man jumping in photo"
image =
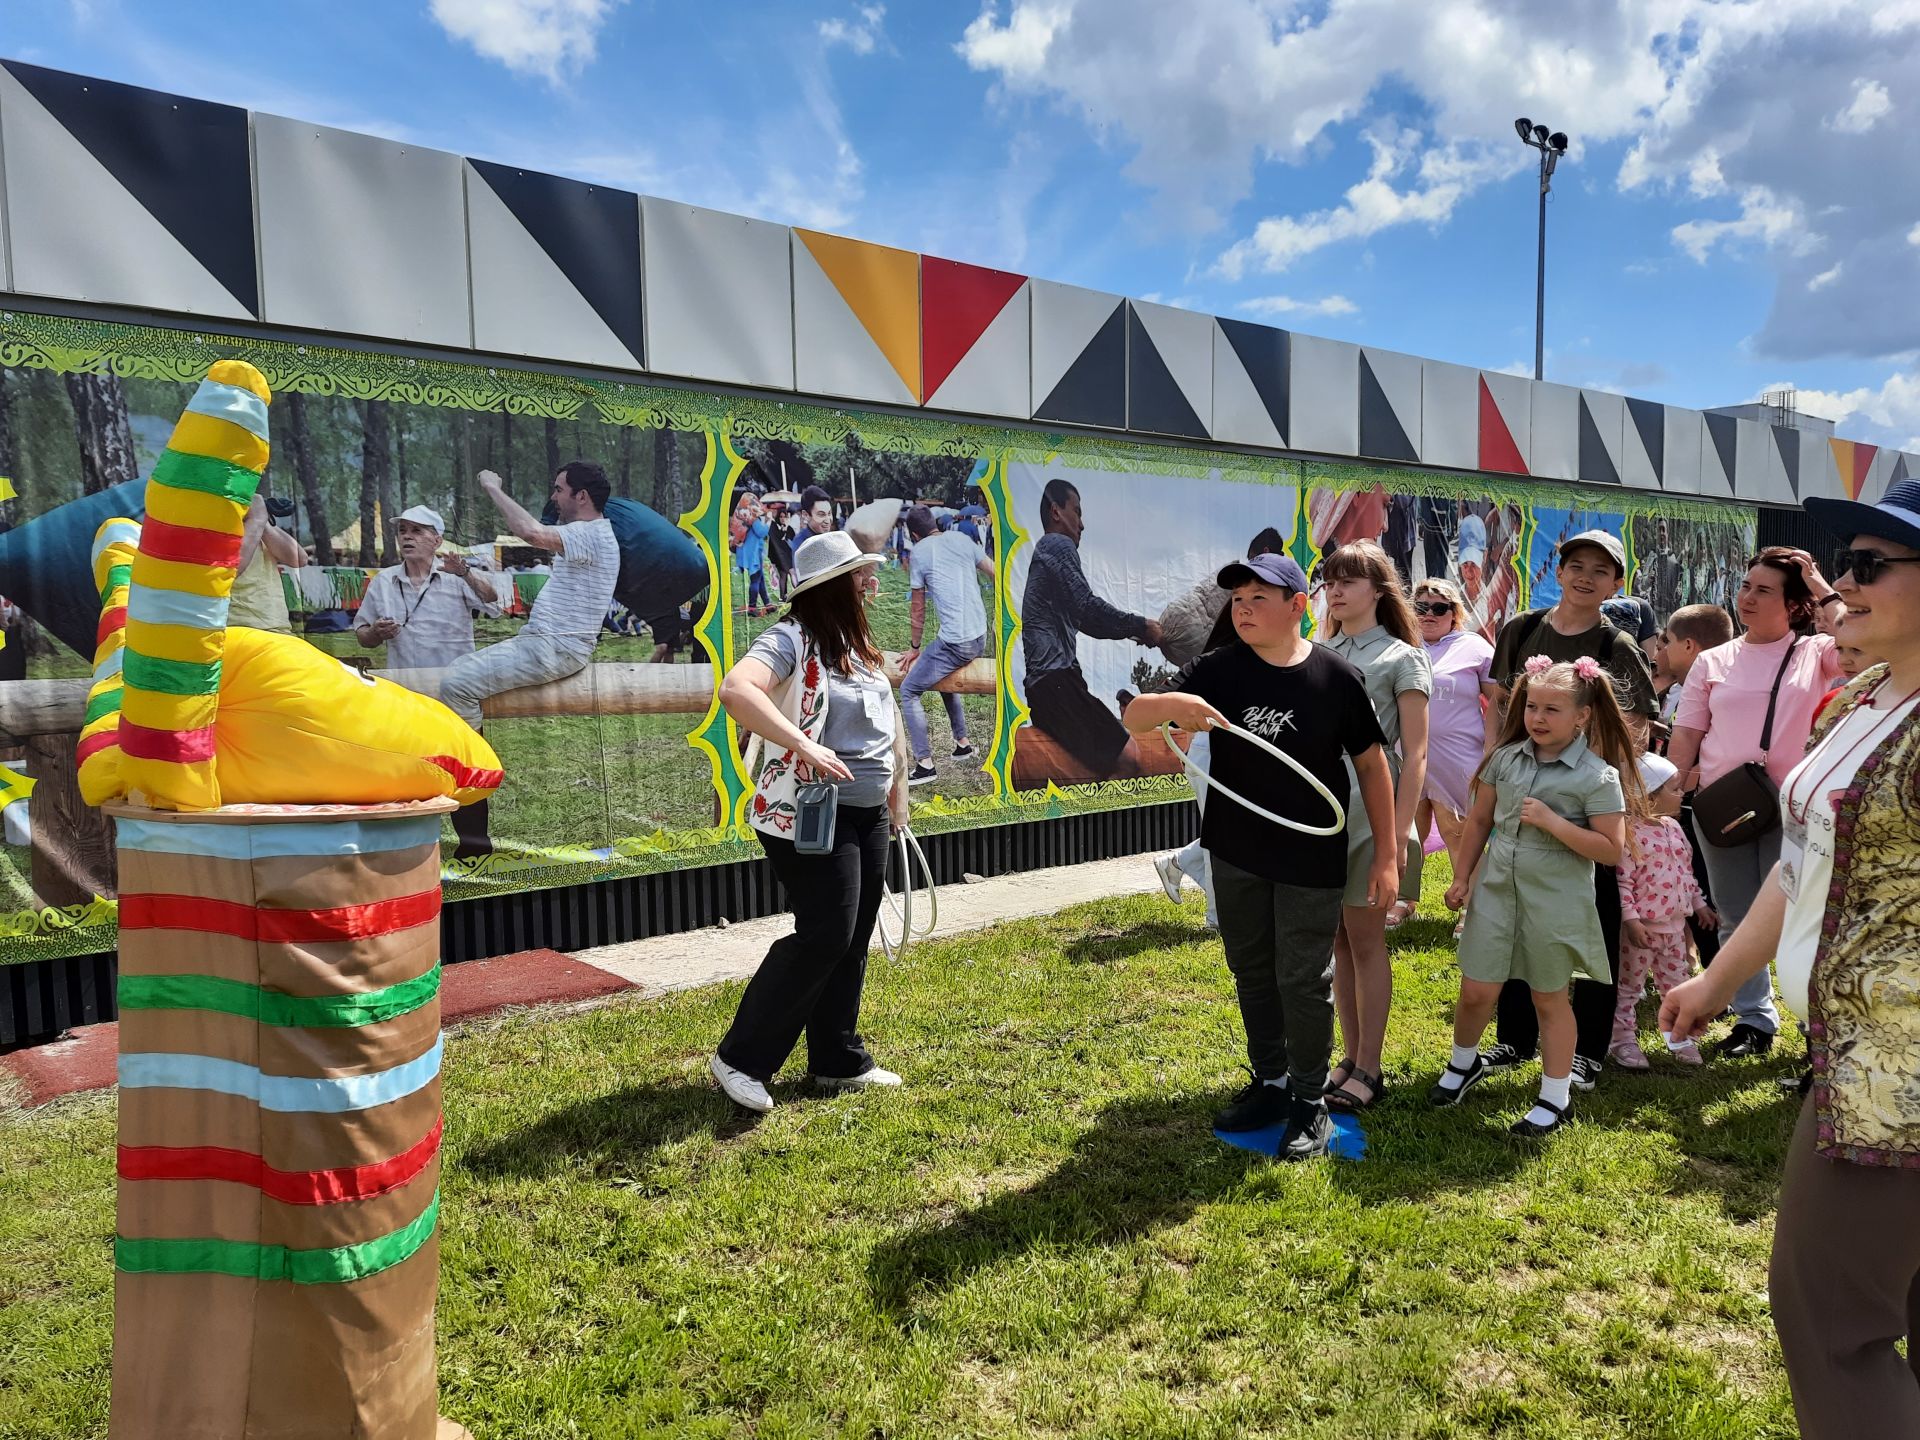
(1058, 608)
(943, 564)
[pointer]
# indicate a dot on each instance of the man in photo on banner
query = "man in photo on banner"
(1279, 890)
(1058, 608)
(568, 613)
(422, 609)
(816, 516)
(943, 564)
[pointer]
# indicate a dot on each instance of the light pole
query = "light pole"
(1551, 147)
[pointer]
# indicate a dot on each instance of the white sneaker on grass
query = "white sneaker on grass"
(1167, 867)
(874, 1079)
(740, 1087)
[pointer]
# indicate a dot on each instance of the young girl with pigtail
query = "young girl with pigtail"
(1552, 798)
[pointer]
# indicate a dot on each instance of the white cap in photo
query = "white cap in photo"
(422, 515)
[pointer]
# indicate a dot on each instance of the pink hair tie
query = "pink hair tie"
(1538, 665)
(1587, 668)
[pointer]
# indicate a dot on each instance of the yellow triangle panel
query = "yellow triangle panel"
(881, 286)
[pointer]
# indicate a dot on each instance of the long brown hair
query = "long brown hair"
(1606, 733)
(835, 615)
(1365, 560)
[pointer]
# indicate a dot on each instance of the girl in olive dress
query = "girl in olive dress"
(1552, 798)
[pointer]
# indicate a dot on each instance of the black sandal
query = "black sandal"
(1346, 1065)
(1441, 1096)
(1529, 1130)
(1346, 1102)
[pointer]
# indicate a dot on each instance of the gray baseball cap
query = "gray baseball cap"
(1600, 540)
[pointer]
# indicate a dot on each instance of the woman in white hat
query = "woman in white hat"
(813, 688)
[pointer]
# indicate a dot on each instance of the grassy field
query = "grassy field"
(1038, 1237)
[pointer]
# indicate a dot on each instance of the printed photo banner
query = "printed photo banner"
(631, 766)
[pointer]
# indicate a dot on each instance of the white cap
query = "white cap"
(1656, 770)
(421, 515)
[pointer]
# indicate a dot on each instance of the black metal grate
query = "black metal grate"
(41, 999)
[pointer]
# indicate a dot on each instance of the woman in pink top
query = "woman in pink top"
(1717, 728)
(1456, 731)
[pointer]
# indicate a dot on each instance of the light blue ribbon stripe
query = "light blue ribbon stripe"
(176, 607)
(230, 402)
(114, 530)
(261, 842)
(282, 1094)
(110, 666)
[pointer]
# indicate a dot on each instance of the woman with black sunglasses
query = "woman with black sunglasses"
(1461, 660)
(1842, 913)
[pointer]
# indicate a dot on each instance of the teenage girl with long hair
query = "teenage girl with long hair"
(1371, 626)
(1553, 797)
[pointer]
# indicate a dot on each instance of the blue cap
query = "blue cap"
(1269, 569)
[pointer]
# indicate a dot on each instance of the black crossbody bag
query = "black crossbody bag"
(1744, 804)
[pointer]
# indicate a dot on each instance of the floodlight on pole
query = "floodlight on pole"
(1551, 144)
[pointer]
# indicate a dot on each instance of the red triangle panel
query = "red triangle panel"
(957, 303)
(1862, 462)
(1497, 450)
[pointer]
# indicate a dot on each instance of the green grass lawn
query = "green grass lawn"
(1038, 1237)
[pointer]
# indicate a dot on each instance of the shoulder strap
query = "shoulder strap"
(1773, 697)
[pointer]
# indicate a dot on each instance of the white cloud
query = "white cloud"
(548, 38)
(1270, 306)
(1870, 105)
(862, 35)
(1826, 277)
(1892, 408)
(1763, 218)
(1441, 179)
(1913, 235)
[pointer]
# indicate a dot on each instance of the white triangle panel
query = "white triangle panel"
(833, 354)
(1449, 415)
(994, 377)
(1324, 395)
(1184, 340)
(1065, 319)
(1240, 416)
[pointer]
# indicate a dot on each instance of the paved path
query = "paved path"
(85, 1059)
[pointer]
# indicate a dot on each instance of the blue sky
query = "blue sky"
(1739, 212)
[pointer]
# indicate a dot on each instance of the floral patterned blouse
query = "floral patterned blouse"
(1864, 994)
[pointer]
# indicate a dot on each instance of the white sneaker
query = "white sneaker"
(740, 1087)
(1167, 867)
(873, 1079)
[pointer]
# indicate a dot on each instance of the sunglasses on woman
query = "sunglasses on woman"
(1432, 608)
(1867, 565)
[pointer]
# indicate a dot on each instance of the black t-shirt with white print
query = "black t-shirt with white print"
(1316, 711)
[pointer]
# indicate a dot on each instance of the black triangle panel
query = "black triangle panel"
(1382, 436)
(590, 232)
(1900, 471)
(1725, 432)
(1650, 423)
(1786, 440)
(1263, 352)
(1094, 389)
(186, 161)
(1155, 401)
(1596, 461)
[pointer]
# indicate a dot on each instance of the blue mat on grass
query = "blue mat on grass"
(1349, 1140)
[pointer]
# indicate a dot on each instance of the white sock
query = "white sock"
(1555, 1092)
(1463, 1057)
(1279, 1084)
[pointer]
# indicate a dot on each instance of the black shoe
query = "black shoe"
(1309, 1131)
(1530, 1130)
(1744, 1042)
(1586, 1073)
(1441, 1095)
(1504, 1056)
(922, 773)
(1255, 1108)
(963, 751)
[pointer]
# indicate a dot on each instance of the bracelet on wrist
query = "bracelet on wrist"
(1830, 595)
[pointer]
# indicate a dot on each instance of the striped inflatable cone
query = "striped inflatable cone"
(276, 1258)
(98, 752)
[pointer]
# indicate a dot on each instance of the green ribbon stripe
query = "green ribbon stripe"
(207, 475)
(171, 677)
(107, 702)
(270, 1007)
(116, 575)
(249, 1260)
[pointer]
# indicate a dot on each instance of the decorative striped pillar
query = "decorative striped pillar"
(276, 1259)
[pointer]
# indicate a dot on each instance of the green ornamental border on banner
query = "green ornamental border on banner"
(67, 345)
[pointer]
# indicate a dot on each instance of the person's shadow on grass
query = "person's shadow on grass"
(1148, 1162)
(1104, 947)
(612, 1130)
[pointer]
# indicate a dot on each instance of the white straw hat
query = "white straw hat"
(825, 556)
(421, 515)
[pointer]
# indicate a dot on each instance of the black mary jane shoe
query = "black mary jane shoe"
(1530, 1130)
(1442, 1096)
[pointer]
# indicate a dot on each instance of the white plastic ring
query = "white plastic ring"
(1214, 786)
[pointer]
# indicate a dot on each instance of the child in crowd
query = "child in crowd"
(1552, 798)
(1657, 893)
(1852, 661)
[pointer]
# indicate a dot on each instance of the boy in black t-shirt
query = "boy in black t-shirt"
(1278, 891)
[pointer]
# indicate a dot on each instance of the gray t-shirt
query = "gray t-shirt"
(860, 717)
(945, 565)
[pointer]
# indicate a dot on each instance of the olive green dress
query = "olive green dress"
(1391, 668)
(1532, 915)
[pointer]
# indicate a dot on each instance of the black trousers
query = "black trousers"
(811, 980)
(1706, 941)
(1515, 1023)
